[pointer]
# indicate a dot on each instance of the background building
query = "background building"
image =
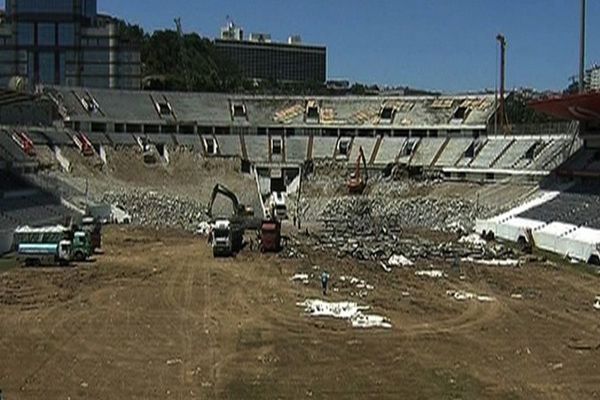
(260, 58)
(65, 42)
(592, 78)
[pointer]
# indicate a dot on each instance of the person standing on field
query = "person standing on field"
(324, 282)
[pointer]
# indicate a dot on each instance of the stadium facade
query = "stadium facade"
(65, 42)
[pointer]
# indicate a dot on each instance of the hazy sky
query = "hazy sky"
(446, 45)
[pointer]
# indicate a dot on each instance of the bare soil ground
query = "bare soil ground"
(157, 316)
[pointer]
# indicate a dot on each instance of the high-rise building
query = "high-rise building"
(65, 42)
(261, 58)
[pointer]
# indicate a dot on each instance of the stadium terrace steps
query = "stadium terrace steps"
(453, 151)
(389, 149)
(139, 107)
(229, 145)
(296, 148)
(161, 138)
(98, 138)
(58, 138)
(427, 151)
(10, 148)
(121, 138)
(257, 148)
(514, 153)
(550, 156)
(490, 152)
(191, 140)
(579, 206)
(37, 137)
(368, 145)
(324, 147)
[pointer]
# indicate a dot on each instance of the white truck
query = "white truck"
(277, 206)
(226, 238)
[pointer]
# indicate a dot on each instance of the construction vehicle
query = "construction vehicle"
(270, 236)
(83, 144)
(226, 237)
(51, 245)
(24, 142)
(240, 211)
(227, 233)
(94, 227)
(277, 206)
(356, 182)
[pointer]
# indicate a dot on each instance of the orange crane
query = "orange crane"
(356, 183)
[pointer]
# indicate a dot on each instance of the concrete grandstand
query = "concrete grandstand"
(274, 136)
(450, 134)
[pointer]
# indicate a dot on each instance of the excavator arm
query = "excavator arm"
(364, 161)
(238, 208)
(357, 183)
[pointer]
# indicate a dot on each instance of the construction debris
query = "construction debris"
(493, 262)
(597, 303)
(345, 310)
(160, 210)
(300, 277)
(462, 295)
(399, 261)
(431, 273)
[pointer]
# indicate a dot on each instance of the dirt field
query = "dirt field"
(157, 317)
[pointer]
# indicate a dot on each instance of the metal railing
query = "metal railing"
(537, 129)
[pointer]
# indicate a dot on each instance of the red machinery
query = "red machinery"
(270, 236)
(24, 142)
(84, 144)
(356, 183)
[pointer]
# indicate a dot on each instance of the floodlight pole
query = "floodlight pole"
(582, 49)
(502, 109)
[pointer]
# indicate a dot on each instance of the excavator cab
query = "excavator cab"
(356, 183)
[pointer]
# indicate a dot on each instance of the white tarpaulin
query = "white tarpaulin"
(499, 263)
(431, 273)
(345, 310)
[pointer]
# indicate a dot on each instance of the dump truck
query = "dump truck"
(226, 238)
(51, 245)
(356, 183)
(227, 233)
(94, 227)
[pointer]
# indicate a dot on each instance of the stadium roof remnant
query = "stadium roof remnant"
(214, 109)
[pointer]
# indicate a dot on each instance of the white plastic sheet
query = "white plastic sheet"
(345, 310)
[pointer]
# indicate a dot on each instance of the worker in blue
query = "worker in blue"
(324, 282)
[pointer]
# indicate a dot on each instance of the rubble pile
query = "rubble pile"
(383, 245)
(374, 229)
(445, 215)
(155, 209)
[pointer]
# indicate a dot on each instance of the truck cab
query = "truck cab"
(277, 206)
(82, 245)
(226, 238)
